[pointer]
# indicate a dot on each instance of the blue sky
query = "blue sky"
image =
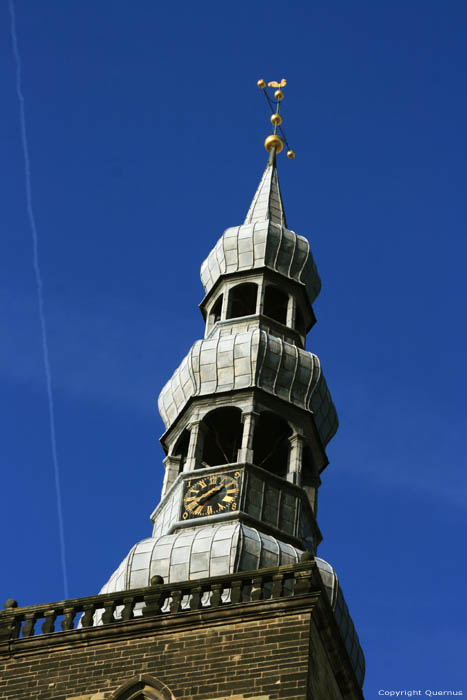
(145, 132)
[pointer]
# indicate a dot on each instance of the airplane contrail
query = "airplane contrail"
(40, 295)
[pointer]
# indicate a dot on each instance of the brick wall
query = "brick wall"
(248, 658)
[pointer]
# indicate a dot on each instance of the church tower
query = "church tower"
(233, 551)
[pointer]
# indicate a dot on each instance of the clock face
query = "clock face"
(210, 495)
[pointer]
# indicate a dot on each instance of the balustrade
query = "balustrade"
(159, 599)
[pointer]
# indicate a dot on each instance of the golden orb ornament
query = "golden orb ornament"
(276, 119)
(279, 95)
(273, 141)
(290, 154)
(261, 84)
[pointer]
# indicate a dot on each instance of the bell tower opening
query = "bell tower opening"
(275, 304)
(181, 447)
(216, 311)
(223, 436)
(271, 444)
(242, 300)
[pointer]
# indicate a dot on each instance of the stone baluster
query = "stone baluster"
(68, 621)
(176, 602)
(216, 598)
(256, 588)
(108, 614)
(249, 420)
(236, 592)
(30, 620)
(128, 606)
(295, 459)
(195, 447)
(48, 625)
(277, 585)
(196, 597)
(87, 619)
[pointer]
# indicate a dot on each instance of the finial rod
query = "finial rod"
(274, 142)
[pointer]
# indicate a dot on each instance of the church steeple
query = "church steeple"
(247, 413)
(267, 203)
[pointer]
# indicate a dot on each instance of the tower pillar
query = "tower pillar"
(195, 448)
(294, 466)
(249, 420)
(172, 465)
(291, 311)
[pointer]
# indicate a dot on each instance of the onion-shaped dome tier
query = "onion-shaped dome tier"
(220, 550)
(259, 245)
(251, 359)
(263, 241)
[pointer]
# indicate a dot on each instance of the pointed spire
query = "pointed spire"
(267, 203)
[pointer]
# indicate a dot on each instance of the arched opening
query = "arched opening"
(299, 322)
(271, 444)
(216, 311)
(144, 688)
(275, 304)
(242, 300)
(181, 447)
(223, 436)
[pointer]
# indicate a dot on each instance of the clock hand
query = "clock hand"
(210, 493)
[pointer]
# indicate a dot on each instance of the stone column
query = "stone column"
(195, 447)
(249, 420)
(295, 459)
(260, 297)
(291, 311)
(225, 296)
(172, 465)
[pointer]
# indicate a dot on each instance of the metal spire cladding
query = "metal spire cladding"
(267, 203)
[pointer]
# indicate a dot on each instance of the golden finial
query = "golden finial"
(282, 83)
(274, 143)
